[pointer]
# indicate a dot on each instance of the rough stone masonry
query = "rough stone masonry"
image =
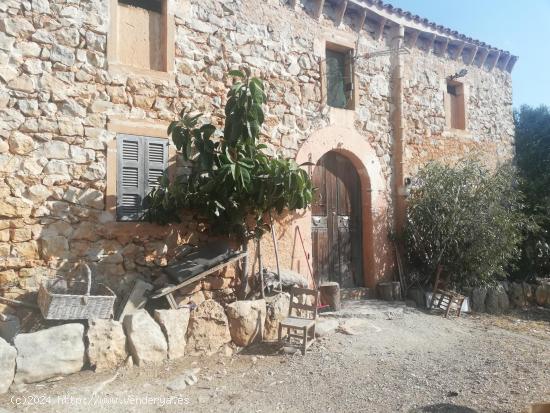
(64, 97)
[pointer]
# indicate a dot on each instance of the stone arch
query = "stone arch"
(377, 252)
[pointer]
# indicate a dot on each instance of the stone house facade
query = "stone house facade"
(78, 77)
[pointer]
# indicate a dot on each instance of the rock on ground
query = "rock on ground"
(208, 329)
(7, 365)
(246, 321)
(49, 353)
(277, 310)
(106, 344)
(174, 325)
(497, 301)
(146, 342)
(478, 299)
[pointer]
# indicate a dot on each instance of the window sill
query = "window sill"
(463, 133)
(121, 69)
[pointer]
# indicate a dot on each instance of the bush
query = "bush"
(533, 160)
(467, 219)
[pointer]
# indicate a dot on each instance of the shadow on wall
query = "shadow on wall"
(443, 408)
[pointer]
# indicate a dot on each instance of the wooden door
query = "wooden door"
(336, 222)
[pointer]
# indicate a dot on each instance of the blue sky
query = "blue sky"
(521, 27)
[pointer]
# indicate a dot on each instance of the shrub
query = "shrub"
(233, 183)
(533, 160)
(467, 219)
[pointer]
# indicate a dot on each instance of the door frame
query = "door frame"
(378, 256)
(355, 233)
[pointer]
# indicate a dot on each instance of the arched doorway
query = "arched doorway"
(336, 222)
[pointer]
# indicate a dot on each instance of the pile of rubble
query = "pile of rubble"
(140, 339)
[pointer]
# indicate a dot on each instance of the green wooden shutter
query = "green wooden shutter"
(156, 162)
(348, 78)
(130, 177)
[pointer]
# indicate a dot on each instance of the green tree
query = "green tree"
(234, 184)
(467, 219)
(533, 160)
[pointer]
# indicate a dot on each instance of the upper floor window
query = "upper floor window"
(455, 105)
(141, 162)
(141, 35)
(340, 77)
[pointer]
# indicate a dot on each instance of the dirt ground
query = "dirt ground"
(418, 363)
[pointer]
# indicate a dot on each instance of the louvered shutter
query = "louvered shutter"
(156, 162)
(131, 179)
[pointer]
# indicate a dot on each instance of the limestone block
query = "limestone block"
(20, 144)
(277, 310)
(63, 55)
(497, 301)
(107, 344)
(246, 321)
(7, 365)
(146, 342)
(174, 325)
(542, 294)
(54, 246)
(208, 329)
(49, 353)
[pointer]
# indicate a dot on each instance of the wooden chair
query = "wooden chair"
(301, 323)
(446, 297)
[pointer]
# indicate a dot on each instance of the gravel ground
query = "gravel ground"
(420, 363)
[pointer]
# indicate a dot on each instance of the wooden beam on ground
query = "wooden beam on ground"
(341, 12)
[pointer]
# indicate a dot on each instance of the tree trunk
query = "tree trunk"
(243, 291)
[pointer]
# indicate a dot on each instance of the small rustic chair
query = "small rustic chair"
(446, 297)
(302, 320)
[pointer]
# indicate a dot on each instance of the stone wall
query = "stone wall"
(60, 101)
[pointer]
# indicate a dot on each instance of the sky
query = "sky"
(520, 27)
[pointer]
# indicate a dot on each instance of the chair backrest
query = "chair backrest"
(310, 310)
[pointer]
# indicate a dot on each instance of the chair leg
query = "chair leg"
(280, 331)
(459, 303)
(448, 307)
(304, 344)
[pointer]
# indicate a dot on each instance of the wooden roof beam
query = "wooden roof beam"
(318, 12)
(494, 61)
(505, 59)
(380, 30)
(511, 63)
(483, 58)
(459, 50)
(472, 55)
(361, 20)
(341, 12)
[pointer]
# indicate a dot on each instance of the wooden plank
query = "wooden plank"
(164, 291)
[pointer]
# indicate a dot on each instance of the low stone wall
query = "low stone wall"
(140, 339)
(499, 298)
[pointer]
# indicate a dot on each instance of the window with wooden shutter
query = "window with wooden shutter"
(141, 163)
(340, 77)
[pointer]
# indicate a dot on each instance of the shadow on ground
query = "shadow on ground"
(443, 408)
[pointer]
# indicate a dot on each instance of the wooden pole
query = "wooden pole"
(261, 268)
(276, 252)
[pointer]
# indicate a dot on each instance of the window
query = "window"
(141, 35)
(141, 161)
(339, 77)
(456, 117)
